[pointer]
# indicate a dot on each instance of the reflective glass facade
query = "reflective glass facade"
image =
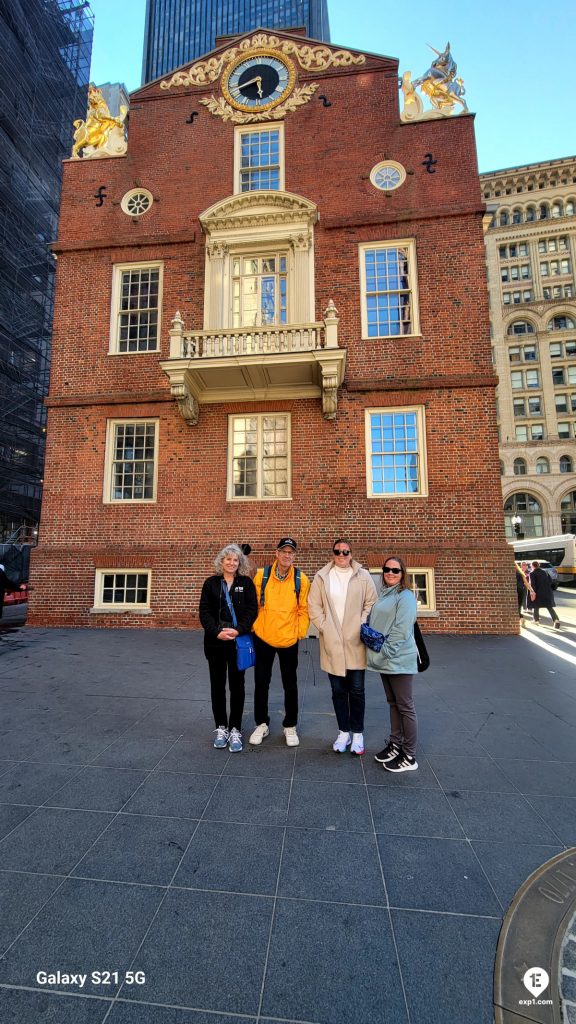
(179, 31)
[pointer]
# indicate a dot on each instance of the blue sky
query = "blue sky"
(516, 58)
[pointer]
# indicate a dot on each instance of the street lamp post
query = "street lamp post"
(517, 527)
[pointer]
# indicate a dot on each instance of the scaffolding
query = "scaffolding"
(46, 48)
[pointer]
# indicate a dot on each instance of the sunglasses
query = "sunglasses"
(341, 551)
(392, 569)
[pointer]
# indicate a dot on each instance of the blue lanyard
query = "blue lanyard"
(229, 603)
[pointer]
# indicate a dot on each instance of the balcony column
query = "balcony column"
(216, 292)
(301, 311)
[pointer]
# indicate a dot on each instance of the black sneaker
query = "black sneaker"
(402, 763)
(391, 750)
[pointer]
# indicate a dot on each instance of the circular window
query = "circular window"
(387, 176)
(136, 202)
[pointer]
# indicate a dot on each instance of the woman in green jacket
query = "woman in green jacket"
(394, 615)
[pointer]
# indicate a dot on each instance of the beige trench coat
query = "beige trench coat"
(340, 645)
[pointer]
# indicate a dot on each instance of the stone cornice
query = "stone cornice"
(447, 382)
(256, 209)
(118, 398)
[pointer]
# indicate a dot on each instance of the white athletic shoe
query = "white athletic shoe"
(341, 742)
(260, 733)
(357, 743)
(291, 736)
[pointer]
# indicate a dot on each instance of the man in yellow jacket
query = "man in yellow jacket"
(282, 621)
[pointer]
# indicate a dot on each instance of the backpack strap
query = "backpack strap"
(265, 578)
(297, 584)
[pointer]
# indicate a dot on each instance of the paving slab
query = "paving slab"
(278, 884)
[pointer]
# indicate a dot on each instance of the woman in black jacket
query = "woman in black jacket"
(230, 586)
(542, 595)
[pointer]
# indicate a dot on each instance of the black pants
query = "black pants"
(549, 608)
(288, 658)
(222, 659)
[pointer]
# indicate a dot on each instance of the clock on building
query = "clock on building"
(259, 82)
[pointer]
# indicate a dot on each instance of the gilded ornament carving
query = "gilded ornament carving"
(440, 84)
(310, 58)
(221, 108)
(100, 134)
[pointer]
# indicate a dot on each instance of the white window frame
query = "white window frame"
(259, 482)
(424, 610)
(118, 270)
(112, 608)
(422, 491)
(251, 130)
(108, 498)
(410, 244)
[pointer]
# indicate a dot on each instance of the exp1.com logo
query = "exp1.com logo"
(536, 980)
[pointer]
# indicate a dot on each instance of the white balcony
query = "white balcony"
(256, 364)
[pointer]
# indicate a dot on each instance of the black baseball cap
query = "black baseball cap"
(287, 542)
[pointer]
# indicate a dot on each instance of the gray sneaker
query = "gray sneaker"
(235, 742)
(221, 738)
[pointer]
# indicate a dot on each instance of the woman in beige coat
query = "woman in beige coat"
(340, 599)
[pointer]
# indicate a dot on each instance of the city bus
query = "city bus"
(560, 551)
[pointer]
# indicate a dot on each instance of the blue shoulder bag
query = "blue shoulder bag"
(245, 653)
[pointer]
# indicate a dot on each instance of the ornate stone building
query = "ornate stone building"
(530, 252)
(272, 320)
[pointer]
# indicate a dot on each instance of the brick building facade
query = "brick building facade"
(275, 323)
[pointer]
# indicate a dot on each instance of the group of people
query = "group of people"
(534, 590)
(276, 606)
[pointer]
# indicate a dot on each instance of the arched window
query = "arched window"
(519, 467)
(521, 327)
(568, 513)
(570, 206)
(561, 323)
(566, 464)
(542, 465)
(556, 209)
(528, 508)
(531, 213)
(516, 216)
(544, 211)
(504, 219)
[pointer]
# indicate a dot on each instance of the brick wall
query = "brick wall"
(457, 529)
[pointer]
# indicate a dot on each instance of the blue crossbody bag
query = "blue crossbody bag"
(245, 653)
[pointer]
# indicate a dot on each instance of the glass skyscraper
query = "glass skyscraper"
(180, 31)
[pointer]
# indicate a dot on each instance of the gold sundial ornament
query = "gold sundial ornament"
(258, 78)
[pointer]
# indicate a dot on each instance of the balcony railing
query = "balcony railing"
(256, 363)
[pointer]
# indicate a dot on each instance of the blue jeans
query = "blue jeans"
(348, 699)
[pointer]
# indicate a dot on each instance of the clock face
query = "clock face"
(259, 82)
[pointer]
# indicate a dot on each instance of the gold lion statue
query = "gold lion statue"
(100, 134)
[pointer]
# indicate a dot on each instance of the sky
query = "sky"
(516, 58)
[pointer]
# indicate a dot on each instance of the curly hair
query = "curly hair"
(231, 549)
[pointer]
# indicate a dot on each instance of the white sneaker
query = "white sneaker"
(291, 736)
(341, 742)
(260, 733)
(357, 743)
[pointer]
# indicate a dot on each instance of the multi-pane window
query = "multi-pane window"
(259, 290)
(137, 309)
(564, 431)
(389, 306)
(524, 379)
(124, 588)
(561, 323)
(535, 406)
(131, 461)
(542, 466)
(561, 403)
(395, 452)
(558, 376)
(259, 160)
(519, 407)
(259, 456)
(537, 432)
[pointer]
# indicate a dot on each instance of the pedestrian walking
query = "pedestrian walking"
(542, 594)
(282, 592)
(228, 608)
(341, 596)
(522, 588)
(394, 615)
